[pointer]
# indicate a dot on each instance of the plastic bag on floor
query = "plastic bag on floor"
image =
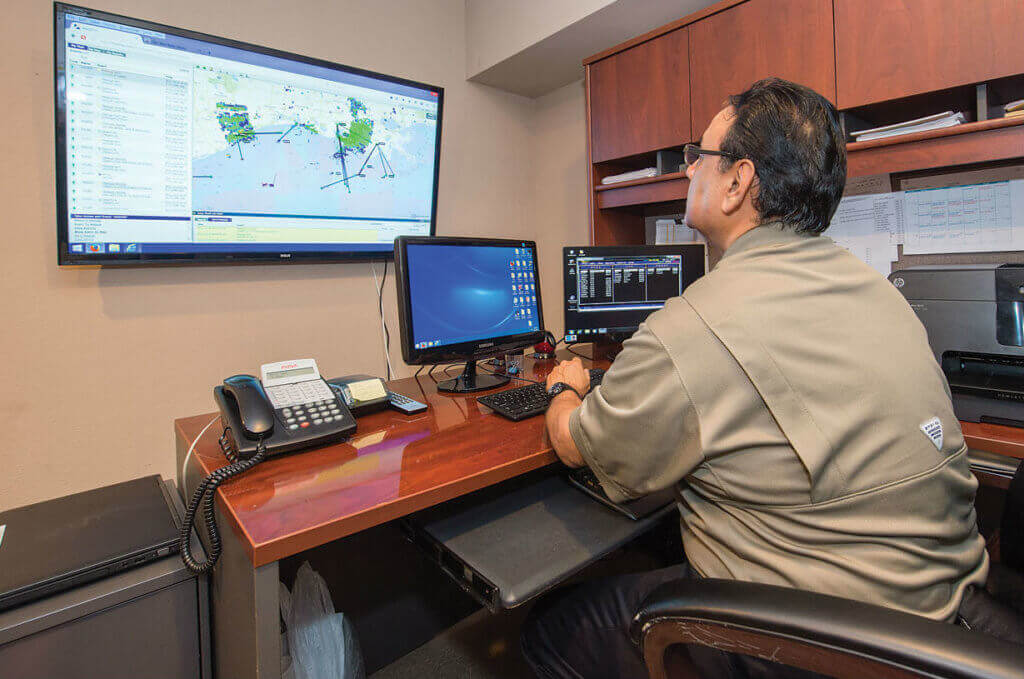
(321, 643)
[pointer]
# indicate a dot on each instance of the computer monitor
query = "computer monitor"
(466, 299)
(179, 147)
(611, 290)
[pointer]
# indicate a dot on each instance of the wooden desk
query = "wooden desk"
(994, 438)
(393, 465)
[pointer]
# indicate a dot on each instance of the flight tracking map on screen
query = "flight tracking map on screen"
(176, 144)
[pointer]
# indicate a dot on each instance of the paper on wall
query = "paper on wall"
(869, 221)
(675, 231)
(974, 211)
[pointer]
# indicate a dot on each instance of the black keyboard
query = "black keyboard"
(522, 402)
(585, 479)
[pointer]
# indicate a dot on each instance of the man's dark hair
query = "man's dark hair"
(793, 136)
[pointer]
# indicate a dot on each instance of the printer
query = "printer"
(974, 316)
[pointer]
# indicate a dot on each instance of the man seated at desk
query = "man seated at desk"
(791, 397)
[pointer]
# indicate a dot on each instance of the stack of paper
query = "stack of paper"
(1015, 109)
(630, 176)
(675, 231)
(934, 122)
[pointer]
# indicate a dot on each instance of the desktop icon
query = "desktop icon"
(131, 247)
(77, 247)
(95, 247)
(114, 247)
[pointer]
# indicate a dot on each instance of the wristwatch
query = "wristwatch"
(558, 387)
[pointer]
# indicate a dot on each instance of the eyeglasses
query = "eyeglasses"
(692, 153)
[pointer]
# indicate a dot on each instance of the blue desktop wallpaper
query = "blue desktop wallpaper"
(462, 293)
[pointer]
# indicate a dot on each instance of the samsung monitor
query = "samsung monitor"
(610, 291)
(175, 146)
(466, 299)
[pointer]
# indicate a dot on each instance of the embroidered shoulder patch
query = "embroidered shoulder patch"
(933, 430)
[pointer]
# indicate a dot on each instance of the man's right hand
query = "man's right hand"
(572, 373)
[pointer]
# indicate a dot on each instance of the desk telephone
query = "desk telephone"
(290, 409)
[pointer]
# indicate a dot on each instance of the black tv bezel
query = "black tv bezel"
(66, 258)
(691, 253)
(463, 351)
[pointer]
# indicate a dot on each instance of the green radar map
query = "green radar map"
(276, 148)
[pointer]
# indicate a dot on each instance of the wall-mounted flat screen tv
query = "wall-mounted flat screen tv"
(177, 147)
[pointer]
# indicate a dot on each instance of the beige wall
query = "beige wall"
(100, 362)
(558, 162)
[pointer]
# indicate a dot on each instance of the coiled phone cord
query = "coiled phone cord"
(208, 487)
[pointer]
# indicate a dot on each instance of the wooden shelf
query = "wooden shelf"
(661, 189)
(645, 180)
(984, 141)
(994, 438)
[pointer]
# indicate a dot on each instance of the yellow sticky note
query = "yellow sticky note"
(367, 390)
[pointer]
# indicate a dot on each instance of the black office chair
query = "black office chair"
(829, 635)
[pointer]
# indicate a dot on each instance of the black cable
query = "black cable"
(208, 487)
(380, 311)
(515, 377)
(570, 346)
(430, 373)
(419, 371)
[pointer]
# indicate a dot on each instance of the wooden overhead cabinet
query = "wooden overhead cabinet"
(639, 99)
(791, 39)
(888, 49)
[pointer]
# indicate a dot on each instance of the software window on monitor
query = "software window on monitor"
(609, 291)
(178, 144)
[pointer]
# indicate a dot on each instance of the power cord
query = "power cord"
(188, 456)
(515, 377)
(380, 311)
(208, 488)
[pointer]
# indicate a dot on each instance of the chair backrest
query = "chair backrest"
(1011, 530)
(810, 631)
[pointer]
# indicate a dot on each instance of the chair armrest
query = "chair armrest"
(818, 632)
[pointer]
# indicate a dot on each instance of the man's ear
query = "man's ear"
(741, 178)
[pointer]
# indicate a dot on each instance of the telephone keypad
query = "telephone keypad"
(304, 404)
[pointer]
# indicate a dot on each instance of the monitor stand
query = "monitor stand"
(469, 381)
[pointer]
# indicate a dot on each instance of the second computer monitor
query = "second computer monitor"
(611, 290)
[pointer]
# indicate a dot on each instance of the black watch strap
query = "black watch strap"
(558, 387)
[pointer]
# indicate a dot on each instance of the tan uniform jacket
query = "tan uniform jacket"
(792, 396)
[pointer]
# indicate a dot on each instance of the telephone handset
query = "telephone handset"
(291, 408)
(254, 410)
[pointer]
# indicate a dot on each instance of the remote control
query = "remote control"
(404, 404)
